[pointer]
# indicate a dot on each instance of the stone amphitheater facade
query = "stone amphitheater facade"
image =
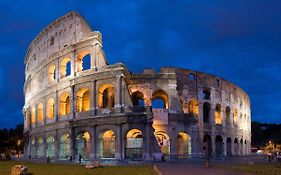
(104, 111)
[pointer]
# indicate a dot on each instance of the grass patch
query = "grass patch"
(259, 169)
(60, 169)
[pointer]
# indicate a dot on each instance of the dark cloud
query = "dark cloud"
(237, 40)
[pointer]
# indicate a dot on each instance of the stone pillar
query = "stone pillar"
(224, 146)
(72, 142)
(118, 96)
(73, 102)
(97, 50)
(57, 101)
(92, 95)
(57, 70)
(73, 64)
(57, 145)
(93, 144)
(118, 142)
(44, 112)
(36, 116)
(173, 142)
(232, 146)
(147, 143)
(95, 107)
(44, 145)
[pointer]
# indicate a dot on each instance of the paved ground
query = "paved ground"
(190, 169)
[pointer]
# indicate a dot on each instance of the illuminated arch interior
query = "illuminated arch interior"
(163, 141)
(183, 144)
(64, 108)
(107, 144)
(33, 115)
(83, 144)
(65, 67)
(218, 118)
(83, 61)
(40, 113)
(50, 147)
(83, 100)
(193, 108)
(52, 72)
(106, 96)
(51, 108)
(64, 146)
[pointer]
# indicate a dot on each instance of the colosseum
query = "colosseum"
(76, 103)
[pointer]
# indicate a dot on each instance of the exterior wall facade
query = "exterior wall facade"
(105, 112)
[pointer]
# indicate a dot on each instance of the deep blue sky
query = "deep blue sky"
(239, 40)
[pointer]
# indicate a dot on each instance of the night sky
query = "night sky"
(239, 40)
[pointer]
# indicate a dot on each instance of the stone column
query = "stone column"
(147, 154)
(224, 146)
(73, 64)
(44, 146)
(173, 142)
(92, 95)
(57, 70)
(93, 143)
(57, 101)
(57, 145)
(72, 142)
(95, 107)
(36, 115)
(118, 96)
(73, 102)
(118, 142)
(44, 112)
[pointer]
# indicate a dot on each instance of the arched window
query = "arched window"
(40, 113)
(137, 98)
(64, 151)
(206, 95)
(193, 108)
(51, 108)
(40, 148)
(64, 104)
(163, 141)
(83, 100)
(134, 144)
(50, 147)
(52, 73)
(83, 61)
(65, 67)
(106, 96)
(218, 119)
(183, 144)
(235, 116)
(83, 145)
(206, 112)
(160, 99)
(227, 113)
(106, 144)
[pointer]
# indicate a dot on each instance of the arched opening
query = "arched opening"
(163, 141)
(235, 116)
(83, 145)
(33, 115)
(241, 147)
(33, 148)
(50, 147)
(83, 61)
(106, 96)
(227, 113)
(134, 144)
(218, 119)
(64, 104)
(137, 98)
(107, 144)
(65, 146)
(228, 147)
(207, 145)
(219, 146)
(40, 113)
(193, 108)
(52, 73)
(160, 99)
(236, 147)
(206, 95)
(51, 108)
(83, 100)
(65, 67)
(183, 144)
(40, 147)
(206, 112)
